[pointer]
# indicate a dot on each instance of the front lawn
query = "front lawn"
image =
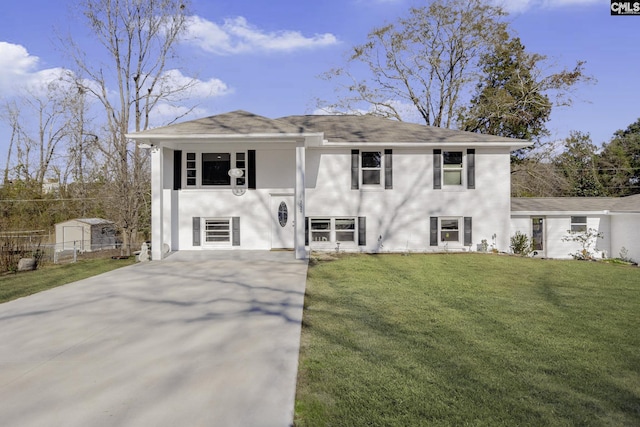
(469, 339)
(16, 285)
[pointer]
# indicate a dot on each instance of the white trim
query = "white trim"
(310, 140)
(300, 201)
(157, 204)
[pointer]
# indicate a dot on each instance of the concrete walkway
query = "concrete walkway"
(199, 339)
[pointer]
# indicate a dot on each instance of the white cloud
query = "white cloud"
(18, 69)
(236, 35)
(187, 95)
(173, 80)
(19, 72)
(519, 6)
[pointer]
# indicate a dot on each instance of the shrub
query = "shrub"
(520, 244)
(587, 240)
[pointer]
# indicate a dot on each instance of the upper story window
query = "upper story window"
(452, 167)
(371, 169)
(192, 170)
(212, 169)
(215, 168)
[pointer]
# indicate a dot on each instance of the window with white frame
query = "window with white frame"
(578, 224)
(341, 230)
(320, 229)
(212, 169)
(217, 231)
(241, 164)
(192, 170)
(452, 168)
(371, 167)
(450, 230)
(345, 229)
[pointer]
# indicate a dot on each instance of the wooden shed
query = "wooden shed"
(86, 235)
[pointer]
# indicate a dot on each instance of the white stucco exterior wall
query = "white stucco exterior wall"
(398, 218)
(625, 231)
(556, 228)
(275, 175)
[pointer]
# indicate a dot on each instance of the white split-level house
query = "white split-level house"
(335, 183)
(347, 183)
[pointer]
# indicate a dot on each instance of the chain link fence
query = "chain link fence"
(14, 248)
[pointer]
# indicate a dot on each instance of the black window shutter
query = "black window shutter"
(437, 169)
(433, 231)
(388, 169)
(306, 231)
(362, 231)
(251, 172)
(467, 231)
(177, 169)
(471, 168)
(196, 231)
(235, 231)
(355, 169)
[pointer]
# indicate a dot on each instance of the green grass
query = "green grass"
(18, 285)
(469, 339)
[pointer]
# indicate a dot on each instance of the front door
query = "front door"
(537, 235)
(282, 224)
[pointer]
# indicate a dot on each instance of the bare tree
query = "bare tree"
(426, 61)
(10, 114)
(138, 38)
(39, 119)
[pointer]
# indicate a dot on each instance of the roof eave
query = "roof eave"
(159, 139)
(456, 144)
(558, 213)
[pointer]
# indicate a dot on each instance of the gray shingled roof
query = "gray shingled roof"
(341, 128)
(351, 128)
(628, 204)
(233, 123)
(575, 204)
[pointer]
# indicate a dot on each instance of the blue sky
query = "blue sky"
(265, 57)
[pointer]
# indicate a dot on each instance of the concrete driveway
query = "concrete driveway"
(199, 339)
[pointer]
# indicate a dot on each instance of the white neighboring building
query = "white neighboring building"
(86, 235)
(353, 183)
(547, 220)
